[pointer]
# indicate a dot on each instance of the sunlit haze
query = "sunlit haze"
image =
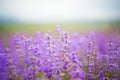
(60, 10)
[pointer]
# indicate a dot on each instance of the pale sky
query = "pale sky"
(60, 10)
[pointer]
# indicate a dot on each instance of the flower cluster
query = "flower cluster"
(63, 56)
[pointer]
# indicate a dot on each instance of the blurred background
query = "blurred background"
(72, 15)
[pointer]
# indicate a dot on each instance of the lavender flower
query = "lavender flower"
(64, 56)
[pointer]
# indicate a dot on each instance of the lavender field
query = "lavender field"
(60, 55)
(59, 39)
